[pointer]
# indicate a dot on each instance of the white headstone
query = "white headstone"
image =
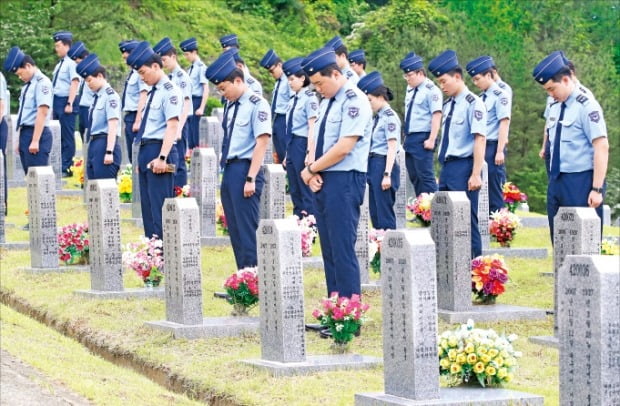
(55, 155)
(400, 205)
(14, 168)
(361, 244)
(42, 217)
(483, 208)
(136, 205)
(204, 173)
(272, 201)
(2, 197)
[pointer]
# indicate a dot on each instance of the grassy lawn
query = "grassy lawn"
(212, 365)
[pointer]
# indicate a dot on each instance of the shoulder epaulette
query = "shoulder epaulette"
(40, 78)
(502, 85)
(109, 90)
(180, 73)
(582, 99)
(583, 89)
(254, 99)
(309, 92)
(250, 80)
(350, 94)
(555, 102)
(497, 92)
(168, 86)
(389, 112)
(470, 98)
(429, 85)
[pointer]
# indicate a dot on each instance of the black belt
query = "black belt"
(279, 114)
(145, 141)
(412, 133)
(99, 135)
(26, 126)
(491, 141)
(375, 155)
(235, 160)
(456, 158)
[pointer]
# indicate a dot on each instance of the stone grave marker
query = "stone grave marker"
(272, 200)
(203, 133)
(606, 215)
(483, 208)
(203, 185)
(55, 160)
(42, 218)
(136, 208)
(400, 205)
(2, 197)
(269, 153)
(14, 169)
(219, 113)
(361, 244)
(215, 136)
(589, 327)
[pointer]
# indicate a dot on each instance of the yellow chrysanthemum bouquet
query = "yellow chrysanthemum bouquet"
(124, 184)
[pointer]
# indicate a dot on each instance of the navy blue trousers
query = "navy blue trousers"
(42, 158)
(83, 114)
(419, 163)
(193, 139)
(67, 131)
(4, 137)
(280, 137)
(337, 213)
(154, 188)
(130, 135)
(95, 168)
(381, 202)
(454, 176)
(180, 178)
(497, 177)
(301, 195)
(242, 213)
(570, 190)
(548, 157)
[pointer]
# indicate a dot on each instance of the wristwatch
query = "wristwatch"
(386, 174)
(108, 151)
(162, 157)
(249, 179)
(597, 189)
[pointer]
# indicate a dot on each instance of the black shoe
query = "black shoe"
(221, 295)
(315, 327)
(67, 174)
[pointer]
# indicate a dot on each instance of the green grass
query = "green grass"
(212, 365)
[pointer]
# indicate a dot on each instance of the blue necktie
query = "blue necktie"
(446, 134)
(374, 125)
(555, 159)
(125, 89)
(408, 116)
(484, 96)
(57, 72)
(191, 67)
(90, 116)
(228, 129)
(289, 125)
(145, 116)
(21, 105)
(321, 138)
(275, 98)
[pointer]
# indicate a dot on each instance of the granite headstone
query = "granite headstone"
(483, 208)
(400, 204)
(136, 205)
(361, 243)
(14, 168)
(2, 197)
(272, 201)
(41, 186)
(203, 187)
(55, 155)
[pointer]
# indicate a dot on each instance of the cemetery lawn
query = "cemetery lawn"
(209, 369)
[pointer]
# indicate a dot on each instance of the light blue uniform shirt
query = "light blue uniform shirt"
(108, 107)
(583, 122)
(387, 128)
(197, 77)
(350, 115)
(284, 95)
(134, 86)
(39, 94)
(427, 101)
(307, 107)
(181, 79)
(506, 88)
(3, 94)
(86, 98)
(66, 74)
(468, 118)
(498, 108)
(350, 75)
(253, 84)
(551, 100)
(167, 104)
(253, 120)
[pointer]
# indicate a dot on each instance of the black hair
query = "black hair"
(302, 74)
(342, 49)
(155, 58)
(237, 73)
(66, 41)
(383, 91)
(571, 67)
(27, 60)
(170, 52)
(363, 63)
(490, 71)
(454, 71)
(421, 70)
(329, 69)
(100, 70)
(565, 71)
(277, 61)
(83, 54)
(239, 60)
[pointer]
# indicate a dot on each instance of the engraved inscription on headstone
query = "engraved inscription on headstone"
(400, 204)
(42, 211)
(204, 173)
(483, 207)
(272, 201)
(55, 155)
(215, 135)
(281, 291)
(451, 231)
(136, 206)
(104, 217)
(2, 197)
(14, 168)
(589, 299)
(181, 224)
(409, 314)
(203, 133)
(361, 244)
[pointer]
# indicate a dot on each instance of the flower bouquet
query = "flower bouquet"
(375, 238)
(342, 315)
(307, 225)
(242, 290)
(221, 217)
(188, 157)
(513, 196)
(609, 247)
(421, 208)
(489, 273)
(182, 191)
(124, 184)
(78, 170)
(73, 244)
(470, 355)
(503, 226)
(146, 258)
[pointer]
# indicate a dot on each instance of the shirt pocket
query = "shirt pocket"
(242, 122)
(155, 112)
(571, 130)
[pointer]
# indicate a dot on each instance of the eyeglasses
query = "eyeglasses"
(408, 75)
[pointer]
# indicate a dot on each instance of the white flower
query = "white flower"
(512, 337)
(470, 324)
(339, 327)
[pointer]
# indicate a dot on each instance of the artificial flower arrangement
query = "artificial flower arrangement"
(375, 237)
(307, 225)
(124, 184)
(512, 196)
(146, 258)
(342, 315)
(609, 247)
(242, 290)
(503, 226)
(489, 273)
(188, 157)
(470, 355)
(78, 170)
(73, 244)
(182, 191)
(221, 217)
(421, 208)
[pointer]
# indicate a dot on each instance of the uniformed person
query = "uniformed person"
(383, 171)
(498, 105)
(423, 103)
(77, 53)
(181, 79)
(578, 136)
(200, 88)
(301, 114)
(159, 129)
(246, 133)
(338, 174)
(463, 138)
(357, 59)
(133, 99)
(252, 83)
(35, 100)
(104, 149)
(502, 85)
(65, 86)
(4, 133)
(342, 59)
(229, 41)
(279, 102)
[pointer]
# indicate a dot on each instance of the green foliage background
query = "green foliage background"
(518, 34)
